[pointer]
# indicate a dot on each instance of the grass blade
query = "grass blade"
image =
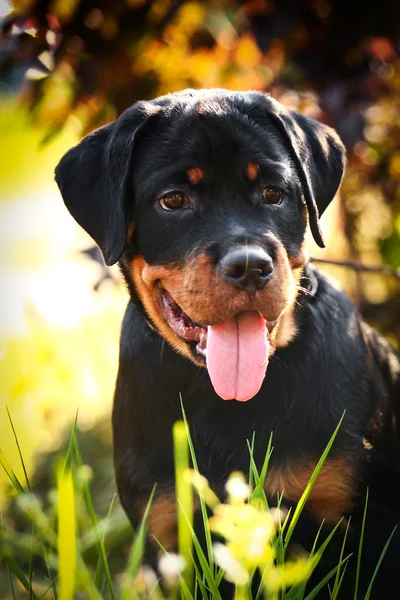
(19, 449)
(378, 564)
(127, 591)
(18, 572)
(185, 590)
(251, 450)
(199, 580)
(51, 586)
(93, 517)
(253, 471)
(11, 581)
(315, 559)
(206, 567)
(264, 468)
(339, 584)
(203, 506)
(339, 576)
(31, 564)
(324, 581)
(68, 457)
(103, 539)
(10, 473)
(307, 491)
(184, 495)
(360, 546)
(66, 541)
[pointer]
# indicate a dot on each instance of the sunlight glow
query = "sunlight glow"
(5, 8)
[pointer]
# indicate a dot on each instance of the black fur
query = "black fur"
(334, 364)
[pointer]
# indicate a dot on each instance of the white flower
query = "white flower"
(237, 487)
(171, 565)
(234, 571)
(278, 515)
(146, 579)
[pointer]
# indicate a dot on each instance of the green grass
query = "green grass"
(67, 551)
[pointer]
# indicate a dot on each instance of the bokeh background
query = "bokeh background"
(69, 66)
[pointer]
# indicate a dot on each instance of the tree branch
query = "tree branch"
(359, 267)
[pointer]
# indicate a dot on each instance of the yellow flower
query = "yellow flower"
(201, 485)
(289, 574)
(248, 532)
(234, 571)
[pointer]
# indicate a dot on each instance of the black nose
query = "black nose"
(248, 268)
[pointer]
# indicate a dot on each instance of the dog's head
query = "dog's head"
(204, 198)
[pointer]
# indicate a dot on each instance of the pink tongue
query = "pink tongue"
(237, 356)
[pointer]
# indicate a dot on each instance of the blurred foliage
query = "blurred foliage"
(56, 546)
(46, 374)
(22, 154)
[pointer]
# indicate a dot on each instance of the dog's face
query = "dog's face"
(204, 198)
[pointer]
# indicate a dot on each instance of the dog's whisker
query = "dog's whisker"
(304, 290)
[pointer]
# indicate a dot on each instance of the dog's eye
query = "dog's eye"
(272, 195)
(174, 201)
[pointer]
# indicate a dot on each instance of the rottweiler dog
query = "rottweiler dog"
(204, 197)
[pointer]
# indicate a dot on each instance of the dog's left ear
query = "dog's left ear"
(320, 158)
(93, 178)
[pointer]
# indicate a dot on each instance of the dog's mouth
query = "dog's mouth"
(235, 351)
(182, 325)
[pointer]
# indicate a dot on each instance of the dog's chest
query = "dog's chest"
(224, 445)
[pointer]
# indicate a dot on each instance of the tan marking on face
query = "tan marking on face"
(195, 175)
(286, 330)
(252, 171)
(145, 278)
(332, 494)
(300, 260)
(208, 298)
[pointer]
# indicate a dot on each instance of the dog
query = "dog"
(203, 198)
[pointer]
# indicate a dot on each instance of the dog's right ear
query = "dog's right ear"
(93, 180)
